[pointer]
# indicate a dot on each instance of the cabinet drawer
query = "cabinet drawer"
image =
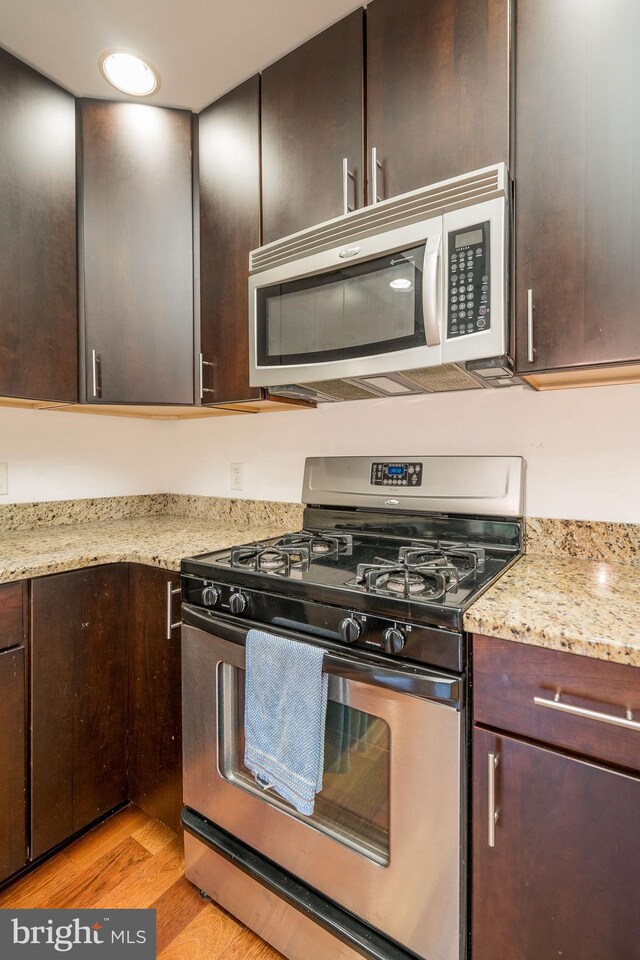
(11, 615)
(534, 692)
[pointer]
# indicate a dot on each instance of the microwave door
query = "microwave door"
(376, 313)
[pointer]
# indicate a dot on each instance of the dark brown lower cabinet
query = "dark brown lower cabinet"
(563, 877)
(155, 722)
(78, 702)
(13, 840)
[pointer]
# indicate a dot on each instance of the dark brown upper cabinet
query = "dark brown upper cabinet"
(311, 124)
(229, 202)
(136, 218)
(437, 90)
(38, 274)
(78, 701)
(436, 106)
(577, 188)
(561, 877)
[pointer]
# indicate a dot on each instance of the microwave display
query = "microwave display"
(469, 294)
(466, 239)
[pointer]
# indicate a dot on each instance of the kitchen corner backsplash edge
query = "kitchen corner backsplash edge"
(52, 513)
(579, 539)
(583, 539)
(230, 511)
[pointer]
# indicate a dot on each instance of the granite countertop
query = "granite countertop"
(577, 606)
(588, 607)
(159, 541)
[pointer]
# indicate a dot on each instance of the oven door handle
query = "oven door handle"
(402, 677)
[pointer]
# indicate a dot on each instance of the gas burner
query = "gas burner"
(412, 585)
(271, 559)
(325, 543)
(465, 551)
(465, 558)
(402, 581)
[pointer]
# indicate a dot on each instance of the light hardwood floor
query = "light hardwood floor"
(132, 860)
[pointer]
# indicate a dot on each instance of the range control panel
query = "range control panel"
(469, 298)
(396, 474)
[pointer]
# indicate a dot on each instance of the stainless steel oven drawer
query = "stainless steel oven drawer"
(296, 936)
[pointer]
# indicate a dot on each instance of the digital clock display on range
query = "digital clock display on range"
(396, 474)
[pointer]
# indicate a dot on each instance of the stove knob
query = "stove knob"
(210, 596)
(393, 640)
(350, 630)
(237, 603)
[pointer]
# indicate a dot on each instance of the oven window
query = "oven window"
(353, 805)
(357, 311)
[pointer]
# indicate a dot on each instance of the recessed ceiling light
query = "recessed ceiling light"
(129, 72)
(401, 284)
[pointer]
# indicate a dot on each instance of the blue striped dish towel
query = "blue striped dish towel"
(284, 717)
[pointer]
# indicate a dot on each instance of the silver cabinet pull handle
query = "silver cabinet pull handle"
(430, 291)
(627, 722)
(204, 363)
(346, 176)
(171, 592)
(493, 813)
(94, 373)
(375, 166)
(530, 326)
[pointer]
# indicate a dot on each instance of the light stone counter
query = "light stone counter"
(159, 541)
(578, 606)
(552, 597)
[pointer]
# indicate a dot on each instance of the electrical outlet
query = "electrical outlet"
(4, 479)
(236, 476)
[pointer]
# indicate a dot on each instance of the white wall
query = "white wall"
(59, 456)
(582, 447)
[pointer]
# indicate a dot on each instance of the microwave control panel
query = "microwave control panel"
(469, 295)
(396, 474)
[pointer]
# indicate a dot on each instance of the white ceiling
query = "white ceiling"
(202, 48)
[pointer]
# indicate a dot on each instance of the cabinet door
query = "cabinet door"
(577, 188)
(13, 798)
(38, 275)
(100, 696)
(78, 702)
(229, 201)
(155, 720)
(311, 122)
(137, 284)
(562, 878)
(437, 89)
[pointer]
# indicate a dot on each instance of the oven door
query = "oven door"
(385, 838)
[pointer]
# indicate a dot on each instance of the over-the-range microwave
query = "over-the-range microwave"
(408, 295)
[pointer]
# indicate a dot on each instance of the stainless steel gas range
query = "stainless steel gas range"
(392, 553)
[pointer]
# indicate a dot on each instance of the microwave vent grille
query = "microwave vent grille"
(449, 376)
(341, 390)
(432, 201)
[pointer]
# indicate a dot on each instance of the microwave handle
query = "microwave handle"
(430, 290)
